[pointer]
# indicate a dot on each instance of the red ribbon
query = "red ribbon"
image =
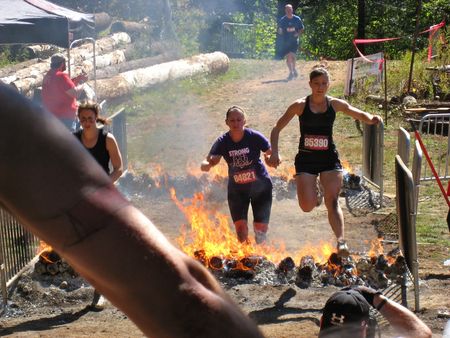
(433, 29)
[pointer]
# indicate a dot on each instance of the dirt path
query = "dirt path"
(42, 309)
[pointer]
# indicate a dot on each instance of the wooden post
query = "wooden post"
(413, 47)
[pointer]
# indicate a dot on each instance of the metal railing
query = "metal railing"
(237, 40)
(373, 157)
(406, 216)
(18, 247)
(434, 130)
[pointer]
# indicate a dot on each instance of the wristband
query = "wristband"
(384, 301)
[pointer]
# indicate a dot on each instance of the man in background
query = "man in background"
(290, 27)
(60, 92)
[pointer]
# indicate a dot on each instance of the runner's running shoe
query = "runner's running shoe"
(342, 248)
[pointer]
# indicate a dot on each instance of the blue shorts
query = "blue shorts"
(290, 46)
(259, 195)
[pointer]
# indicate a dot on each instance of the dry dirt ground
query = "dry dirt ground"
(40, 307)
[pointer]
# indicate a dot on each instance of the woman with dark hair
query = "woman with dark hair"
(249, 182)
(317, 155)
(103, 147)
(100, 143)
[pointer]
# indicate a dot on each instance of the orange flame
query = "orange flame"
(376, 247)
(218, 171)
(209, 235)
(44, 250)
(346, 166)
(284, 172)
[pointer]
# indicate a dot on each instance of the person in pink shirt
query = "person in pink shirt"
(60, 92)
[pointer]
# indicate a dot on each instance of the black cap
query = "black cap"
(344, 312)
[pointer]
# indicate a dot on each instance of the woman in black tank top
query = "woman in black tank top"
(317, 163)
(100, 144)
(103, 147)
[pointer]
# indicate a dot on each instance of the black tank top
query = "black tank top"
(99, 151)
(316, 129)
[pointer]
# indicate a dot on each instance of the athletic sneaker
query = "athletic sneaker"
(342, 249)
(260, 237)
(98, 302)
(290, 77)
(319, 191)
(295, 73)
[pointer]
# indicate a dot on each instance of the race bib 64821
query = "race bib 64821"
(245, 176)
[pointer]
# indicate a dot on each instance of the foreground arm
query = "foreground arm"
(406, 323)
(70, 203)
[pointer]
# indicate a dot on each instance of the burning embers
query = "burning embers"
(51, 263)
(378, 272)
(209, 239)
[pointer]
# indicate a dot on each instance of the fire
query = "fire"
(284, 172)
(218, 171)
(346, 166)
(208, 237)
(376, 247)
(158, 175)
(45, 251)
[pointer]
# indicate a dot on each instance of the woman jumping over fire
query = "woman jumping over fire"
(248, 179)
(317, 156)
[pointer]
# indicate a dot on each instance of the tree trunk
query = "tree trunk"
(25, 79)
(116, 69)
(125, 83)
(102, 21)
(361, 34)
(128, 27)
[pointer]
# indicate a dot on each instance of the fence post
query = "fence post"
(404, 145)
(407, 221)
(373, 156)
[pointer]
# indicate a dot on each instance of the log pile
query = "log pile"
(125, 83)
(30, 77)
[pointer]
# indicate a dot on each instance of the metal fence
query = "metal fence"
(237, 40)
(406, 193)
(373, 157)
(434, 130)
(18, 246)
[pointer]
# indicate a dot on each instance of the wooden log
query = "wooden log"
(129, 27)
(27, 82)
(42, 51)
(118, 68)
(11, 69)
(125, 83)
(102, 21)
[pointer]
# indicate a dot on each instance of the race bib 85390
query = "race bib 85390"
(316, 142)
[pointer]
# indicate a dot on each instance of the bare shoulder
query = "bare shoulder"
(298, 106)
(110, 138)
(338, 104)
